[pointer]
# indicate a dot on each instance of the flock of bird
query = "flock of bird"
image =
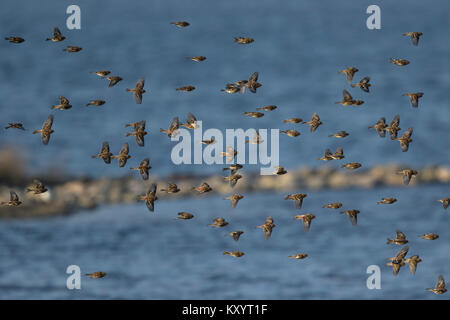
(240, 86)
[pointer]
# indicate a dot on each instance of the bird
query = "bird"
(405, 139)
(186, 88)
(267, 108)
(57, 36)
(184, 216)
(208, 141)
(235, 234)
(219, 223)
(412, 262)
(139, 132)
(73, 49)
(393, 127)
(256, 139)
(113, 80)
(398, 261)
(353, 216)
(349, 73)
(363, 84)
(123, 155)
(252, 83)
(143, 168)
(414, 98)
(230, 154)
(181, 24)
(387, 201)
(380, 126)
(197, 58)
(440, 286)
(96, 103)
(233, 179)
(314, 123)
(138, 90)
(399, 62)
(306, 220)
(335, 205)
(37, 187)
(339, 134)
(96, 275)
(191, 122)
(231, 88)
(445, 202)
(104, 154)
(101, 73)
(293, 120)
(297, 198)
(171, 188)
(400, 238)
(236, 254)
(279, 170)
(233, 168)
(429, 236)
(172, 131)
(298, 256)
(234, 199)
(407, 175)
(64, 104)
(150, 197)
(15, 125)
(243, 40)
(348, 100)
(254, 114)
(13, 200)
(46, 130)
(15, 39)
(415, 36)
(267, 227)
(326, 156)
(351, 165)
(338, 154)
(291, 133)
(203, 188)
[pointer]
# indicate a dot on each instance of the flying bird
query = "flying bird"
(440, 286)
(415, 36)
(349, 73)
(57, 36)
(306, 220)
(400, 238)
(297, 198)
(104, 154)
(150, 197)
(13, 200)
(267, 227)
(144, 168)
(138, 90)
(414, 98)
(46, 130)
(123, 155)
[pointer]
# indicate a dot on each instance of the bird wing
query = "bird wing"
(13, 196)
(140, 84)
(125, 149)
(440, 283)
(400, 235)
(347, 95)
(152, 189)
(48, 123)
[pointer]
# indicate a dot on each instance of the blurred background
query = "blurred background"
(298, 50)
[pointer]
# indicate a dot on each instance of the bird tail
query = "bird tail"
(163, 130)
(36, 131)
(391, 60)
(353, 85)
(87, 105)
(94, 157)
(48, 39)
(53, 107)
(389, 241)
(127, 89)
(226, 253)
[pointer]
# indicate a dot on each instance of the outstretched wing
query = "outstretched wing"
(48, 123)
(13, 196)
(347, 95)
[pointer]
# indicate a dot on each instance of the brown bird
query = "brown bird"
(254, 114)
(181, 24)
(400, 238)
(351, 165)
(218, 223)
(46, 130)
(113, 80)
(96, 103)
(171, 188)
(293, 120)
(398, 261)
(348, 100)
(96, 275)
(13, 200)
(256, 139)
(399, 62)
(414, 98)
(73, 49)
(335, 205)
(353, 215)
(314, 123)
(185, 88)
(252, 83)
(15, 39)
(298, 256)
(429, 236)
(445, 202)
(291, 133)
(197, 58)
(440, 286)
(412, 262)
(407, 175)
(57, 36)
(172, 131)
(387, 201)
(414, 37)
(143, 168)
(236, 254)
(235, 234)
(203, 188)
(104, 154)
(339, 134)
(230, 154)
(393, 127)
(267, 227)
(349, 73)
(380, 126)
(327, 156)
(139, 132)
(102, 73)
(243, 40)
(405, 139)
(37, 187)
(298, 199)
(191, 122)
(279, 170)
(234, 199)
(138, 90)
(209, 141)
(233, 168)
(184, 216)
(338, 154)
(306, 220)
(233, 179)
(267, 108)
(64, 104)
(231, 88)
(150, 197)
(363, 84)
(15, 125)
(123, 155)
